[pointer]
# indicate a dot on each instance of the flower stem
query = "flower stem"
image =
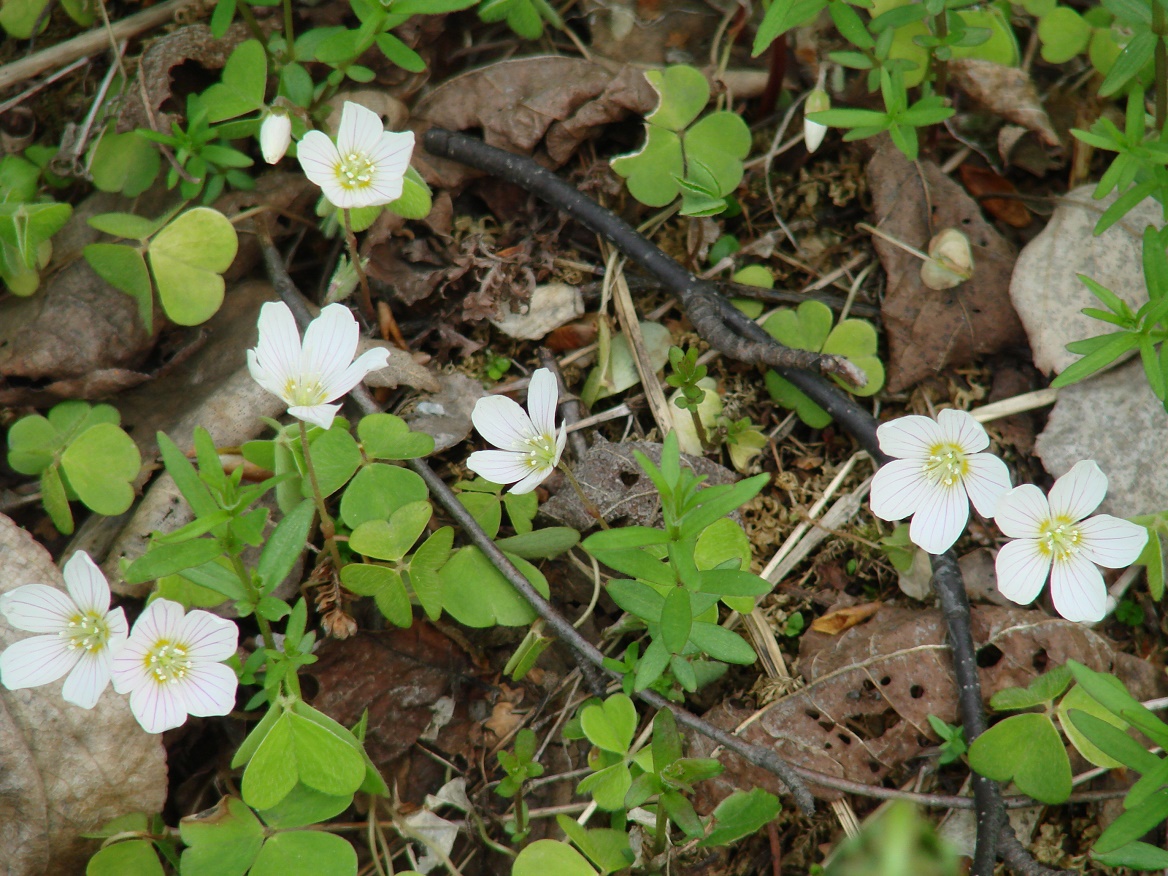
(327, 527)
(289, 34)
(395, 334)
(703, 438)
(589, 505)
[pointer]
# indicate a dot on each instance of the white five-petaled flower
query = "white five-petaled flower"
(529, 445)
(937, 471)
(275, 136)
(321, 370)
(366, 165)
(170, 666)
(80, 633)
(1052, 535)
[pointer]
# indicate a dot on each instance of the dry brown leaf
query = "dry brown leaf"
(1006, 91)
(981, 182)
(835, 622)
(929, 330)
(520, 104)
(65, 770)
(863, 713)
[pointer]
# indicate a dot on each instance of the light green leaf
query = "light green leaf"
(384, 436)
(550, 858)
(223, 841)
(610, 725)
(187, 258)
(719, 142)
(131, 858)
(475, 593)
(335, 457)
(377, 491)
(242, 87)
(1028, 749)
(305, 853)
(100, 465)
(124, 268)
(653, 171)
(682, 93)
(392, 539)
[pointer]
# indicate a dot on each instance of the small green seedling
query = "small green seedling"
(80, 452)
(27, 225)
(809, 327)
(520, 767)
(701, 161)
(953, 746)
(525, 17)
(187, 256)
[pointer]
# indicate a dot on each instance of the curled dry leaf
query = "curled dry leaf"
(835, 622)
(1046, 289)
(66, 770)
(982, 182)
(929, 330)
(863, 712)
(520, 104)
(1006, 91)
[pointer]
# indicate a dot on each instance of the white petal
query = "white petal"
(898, 489)
(319, 158)
(317, 415)
(161, 621)
(499, 466)
(1112, 542)
(963, 430)
(86, 584)
(1078, 590)
(1021, 570)
(329, 343)
(1079, 492)
(270, 381)
(987, 480)
(277, 353)
(561, 442)
(340, 197)
(360, 129)
(1022, 511)
(370, 360)
(534, 478)
(158, 707)
(208, 689)
(391, 156)
(503, 422)
(207, 637)
(128, 670)
(543, 394)
(940, 519)
(36, 661)
(38, 608)
(88, 679)
(911, 437)
(118, 628)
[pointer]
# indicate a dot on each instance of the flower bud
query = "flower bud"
(813, 132)
(275, 136)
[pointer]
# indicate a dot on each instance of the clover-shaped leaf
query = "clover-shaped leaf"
(99, 465)
(298, 748)
(652, 172)
(391, 540)
(377, 491)
(682, 93)
(383, 584)
(242, 87)
(719, 142)
(475, 593)
(222, 841)
(1028, 749)
(610, 725)
(188, 258)
(385, 436)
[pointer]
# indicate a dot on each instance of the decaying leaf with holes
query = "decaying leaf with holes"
(863, 713)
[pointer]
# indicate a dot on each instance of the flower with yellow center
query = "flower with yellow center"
(530, 447)
(171, 666)
(1052, 536)
(80, 633)
(365, 167)
(937, 470)
(307, 376)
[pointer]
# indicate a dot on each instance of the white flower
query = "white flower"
(320, 371)
(365, 167)
(814, 132)
(171, 668)
(530, 446)
(81, 633)
(275, 136)
(937, 471)
(1052, 537)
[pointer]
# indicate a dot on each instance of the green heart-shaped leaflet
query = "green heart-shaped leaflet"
(682, 93)
(475, 593)
(242, 87)
(384, 436)
(720, 142)
(652, 172)
(548, 857)
(100, 465)
(1028, 749)
(221, 842)
(188, 258)
(305, 853)
(377, 491)
(610, 725)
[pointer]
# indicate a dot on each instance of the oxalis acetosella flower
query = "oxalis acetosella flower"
(364, 167)
(310, 375)
(937, 470)
(530, 447)
(1053, 536)
(171, 666)
(80, 633)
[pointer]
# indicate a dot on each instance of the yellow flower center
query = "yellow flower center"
(946, 464)
(543, 451)
(1059, 538)
(88, 631)
(167, 662)
(302, 392)
(355, 171)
